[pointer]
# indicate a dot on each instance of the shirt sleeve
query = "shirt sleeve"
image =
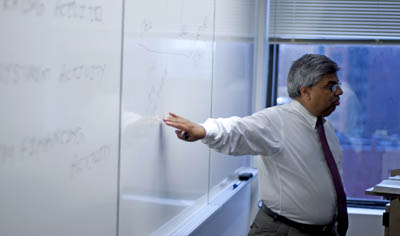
(260, 133)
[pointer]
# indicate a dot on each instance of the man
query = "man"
(300, 187)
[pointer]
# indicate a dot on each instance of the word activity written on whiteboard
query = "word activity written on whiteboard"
(17, 74)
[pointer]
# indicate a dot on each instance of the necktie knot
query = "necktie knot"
(320, 122)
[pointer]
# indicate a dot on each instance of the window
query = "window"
(368, 118)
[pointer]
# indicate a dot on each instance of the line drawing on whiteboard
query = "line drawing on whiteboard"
(202, 28)
(196, 30)
(193, 55)
(147, 26)
(162, 52)
(155, 93)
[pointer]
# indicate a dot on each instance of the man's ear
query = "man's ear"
(305, 92)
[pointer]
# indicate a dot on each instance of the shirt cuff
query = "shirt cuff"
(211, 131)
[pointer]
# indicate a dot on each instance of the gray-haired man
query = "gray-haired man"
(300, 187)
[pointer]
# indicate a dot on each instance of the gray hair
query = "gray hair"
(307, 71)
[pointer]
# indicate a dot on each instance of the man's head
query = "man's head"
(313, 81)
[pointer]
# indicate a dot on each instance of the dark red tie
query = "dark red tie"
(342, 217)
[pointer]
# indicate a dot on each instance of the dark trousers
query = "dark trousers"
(265, 225)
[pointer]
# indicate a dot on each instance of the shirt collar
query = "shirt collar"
(309, 118)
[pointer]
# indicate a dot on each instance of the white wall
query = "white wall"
(365, 222)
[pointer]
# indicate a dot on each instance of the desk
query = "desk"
(391, 217)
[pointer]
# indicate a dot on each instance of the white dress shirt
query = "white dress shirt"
(294, 180)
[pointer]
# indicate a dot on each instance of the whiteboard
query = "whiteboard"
(232, 79)
(191, 58)
(168, 52)
(59, 123)
(84, 85)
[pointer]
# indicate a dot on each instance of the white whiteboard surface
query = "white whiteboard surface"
(59, 101)
(232, 78)
(175, 59)
(84, 85)
(167, 67)
(232, 85)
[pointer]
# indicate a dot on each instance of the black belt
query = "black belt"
(314, 229)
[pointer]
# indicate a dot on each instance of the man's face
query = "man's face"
(323, 97)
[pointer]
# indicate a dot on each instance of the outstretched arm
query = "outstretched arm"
(186, 130)
(259, 133)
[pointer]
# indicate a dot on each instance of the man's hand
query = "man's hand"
(186, 130)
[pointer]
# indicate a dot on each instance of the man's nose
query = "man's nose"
(338, 91)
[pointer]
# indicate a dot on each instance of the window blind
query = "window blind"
(334, 20)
